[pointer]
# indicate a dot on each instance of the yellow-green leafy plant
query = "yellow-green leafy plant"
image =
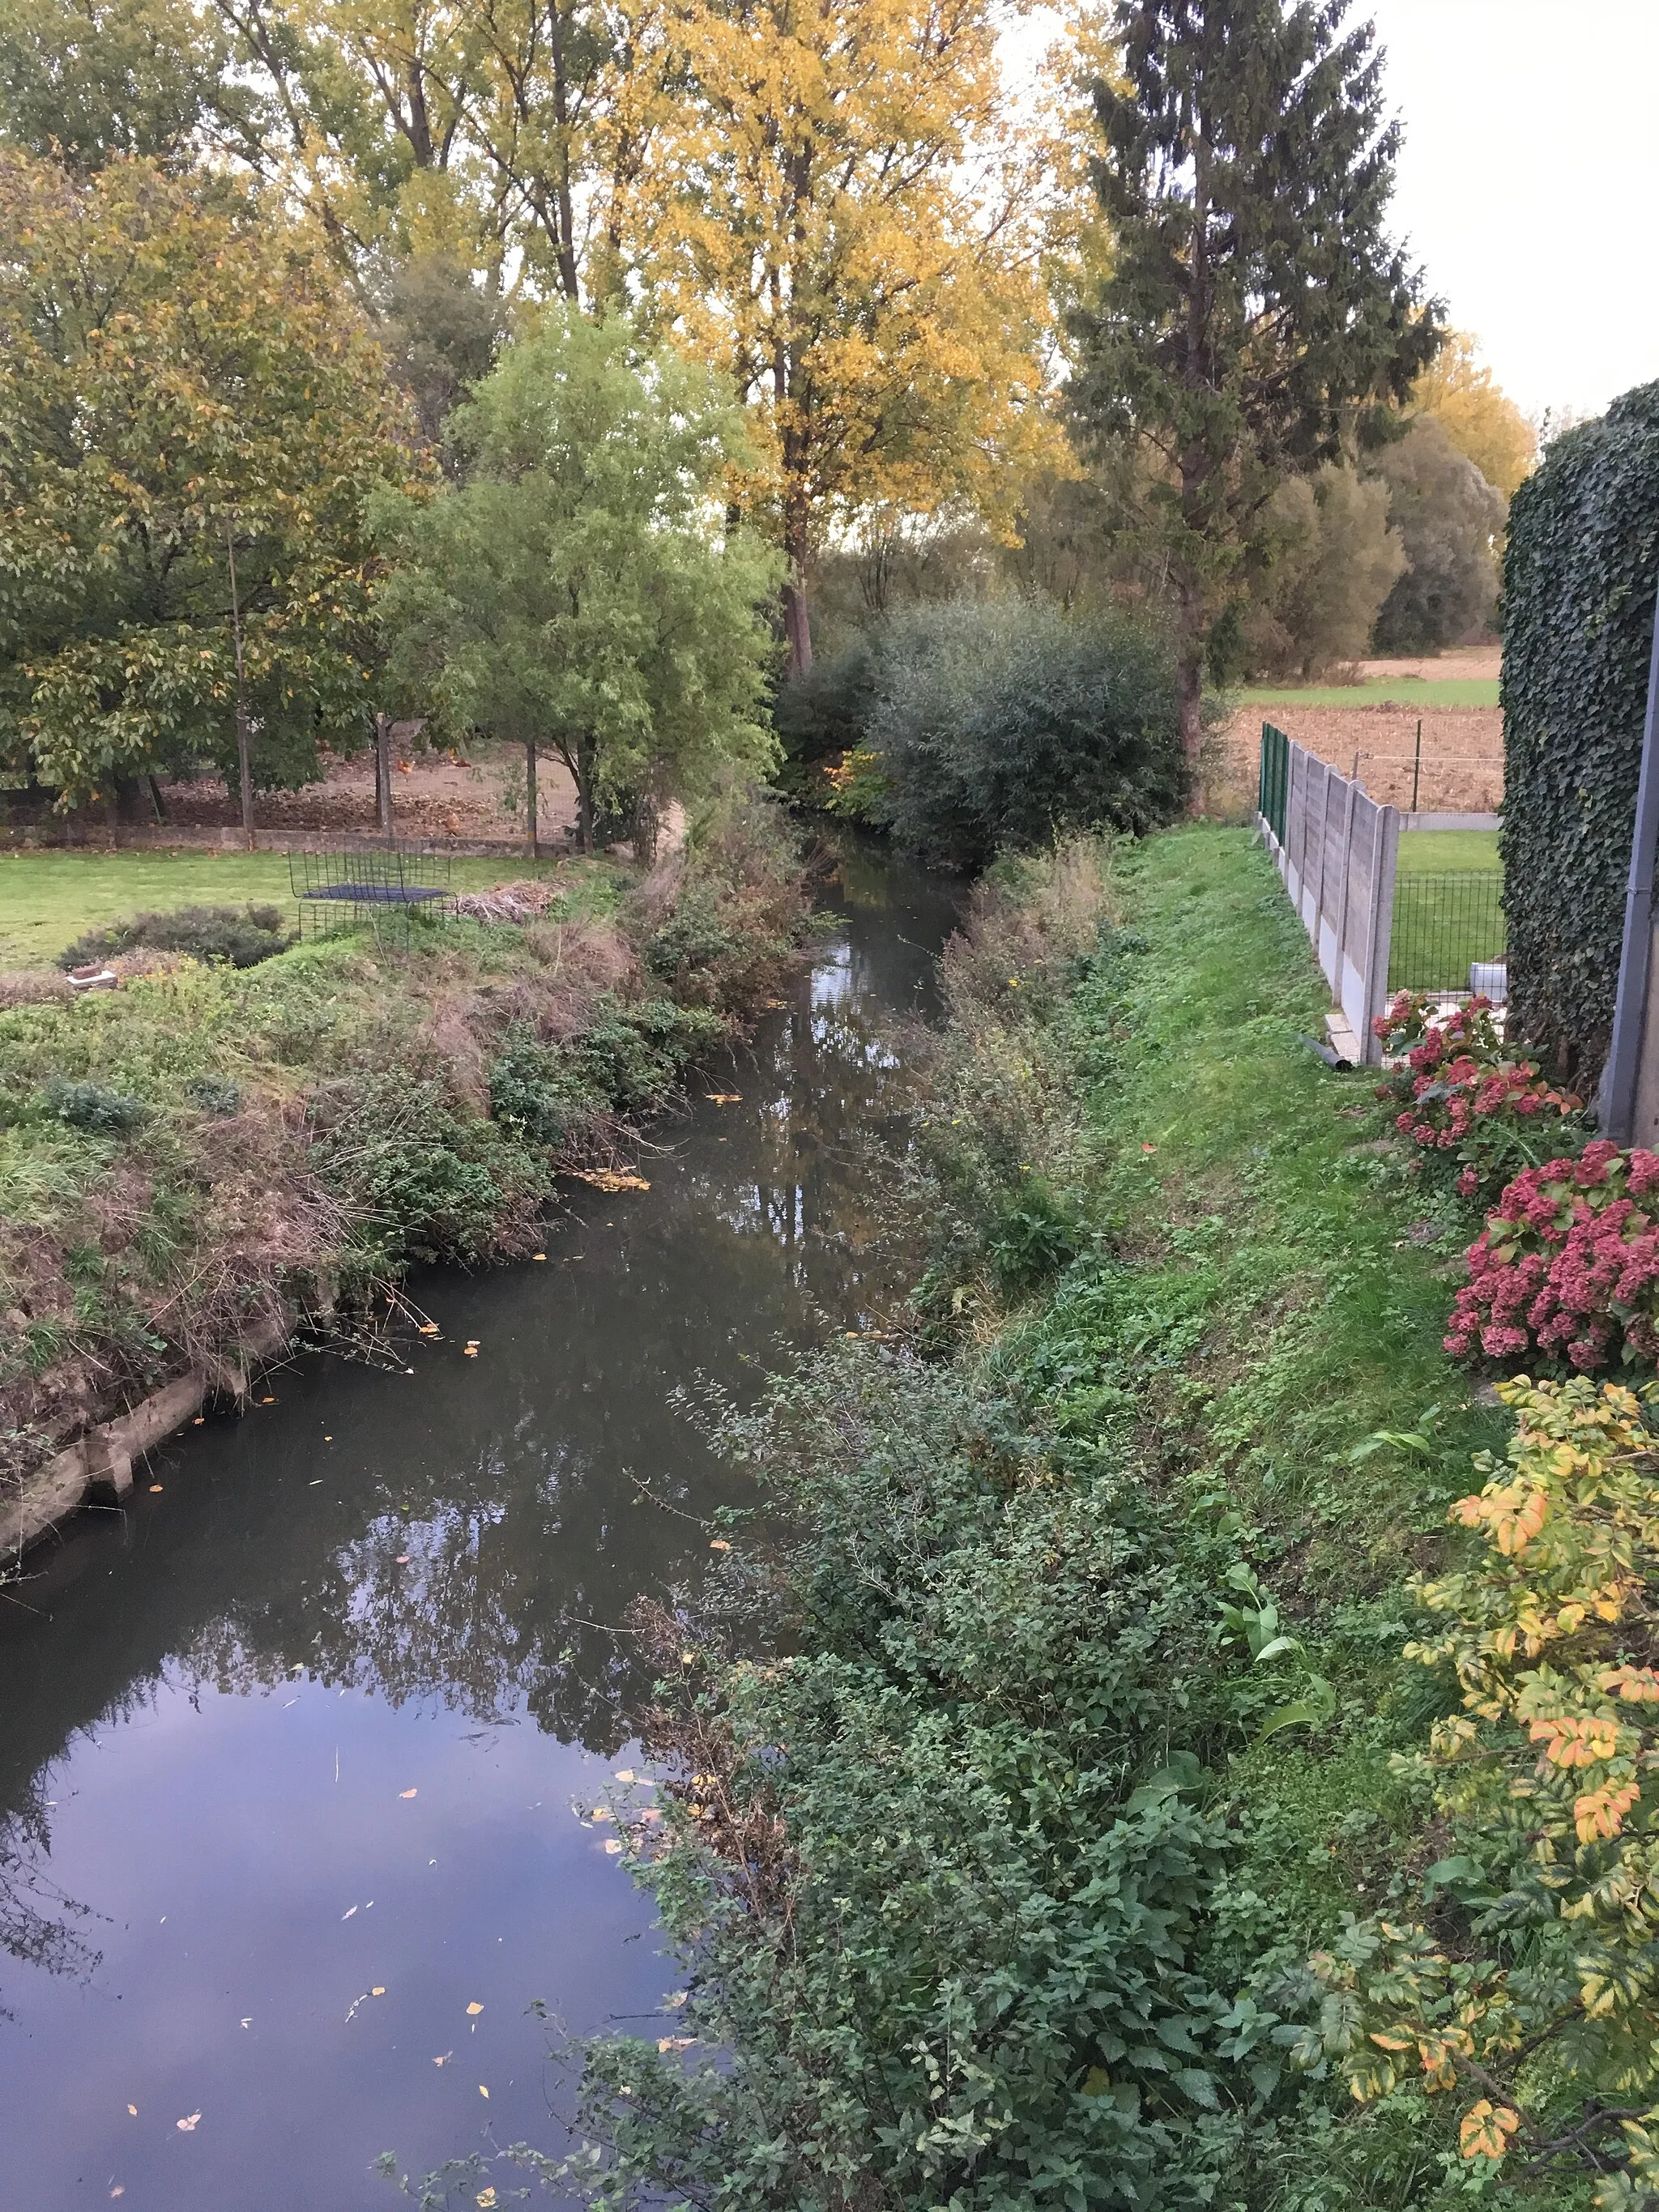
(1533, 1993)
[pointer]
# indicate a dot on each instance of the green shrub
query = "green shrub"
(1579, 578)
(89, 1106)
(825, 713)
(1007, 723)
(421, 1178)
(215, 1094)
(627, 1060)
(241, 937)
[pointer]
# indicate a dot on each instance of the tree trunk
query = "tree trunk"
(383, 773)
(1189, 690)
(530, 795)
(244, 766)
(797, 622)
(584, 797)
(156, 800)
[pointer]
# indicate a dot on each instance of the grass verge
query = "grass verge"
(1391, 692)
(49, 899)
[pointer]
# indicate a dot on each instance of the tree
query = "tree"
(575, 591)
(1450, 521)
(83, 81)
(1255, 306)
(181, 387)
(834, 212)
(1481, 420)
(1326, 559)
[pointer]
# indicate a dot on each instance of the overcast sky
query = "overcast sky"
(1528, 183)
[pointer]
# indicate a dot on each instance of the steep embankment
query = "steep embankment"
(196, 1166)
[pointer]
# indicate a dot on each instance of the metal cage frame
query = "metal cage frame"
(380, 887)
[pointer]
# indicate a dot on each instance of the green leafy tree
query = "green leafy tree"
(576, 591)
(1325, 560)
(1450, 521)
(1256, 306)
(180, 386)
(83, 81)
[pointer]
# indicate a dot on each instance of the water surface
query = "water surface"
(308, 1722)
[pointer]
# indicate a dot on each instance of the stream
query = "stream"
(289, 1747)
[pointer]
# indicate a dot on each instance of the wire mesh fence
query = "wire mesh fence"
(1445, 925)
(381, 887)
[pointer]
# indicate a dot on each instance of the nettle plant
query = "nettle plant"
(1466, 1101)
(1567, 1265)
(1536, 1997)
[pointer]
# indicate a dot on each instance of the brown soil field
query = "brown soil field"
(1462, 770)
(433, 795)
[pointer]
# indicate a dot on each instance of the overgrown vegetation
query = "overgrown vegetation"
(1047, 1792)
(212, 1151)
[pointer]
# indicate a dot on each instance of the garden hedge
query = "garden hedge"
(1580, 573)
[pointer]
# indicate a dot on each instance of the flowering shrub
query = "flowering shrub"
(1463, 1096)
(1568, 1264)
(1549, 1781)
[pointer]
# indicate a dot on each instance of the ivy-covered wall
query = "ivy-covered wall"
(1580, 573)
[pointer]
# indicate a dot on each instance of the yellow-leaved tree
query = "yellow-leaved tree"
(836, 211)
(1477, 415)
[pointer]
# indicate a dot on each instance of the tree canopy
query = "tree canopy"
(179, 381)
(577, 589)
(1255, 304)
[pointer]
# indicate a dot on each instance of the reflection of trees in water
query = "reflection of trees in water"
(40, 1926)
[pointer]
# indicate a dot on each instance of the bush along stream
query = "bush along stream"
(216, 1157)
(1138, 1751)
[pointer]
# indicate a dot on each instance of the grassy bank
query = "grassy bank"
(211, 1157)
(1070, 1713)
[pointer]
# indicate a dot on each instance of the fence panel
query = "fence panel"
(1444, 923)
(1335, 851)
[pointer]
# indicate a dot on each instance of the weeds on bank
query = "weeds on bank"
(212, 1149)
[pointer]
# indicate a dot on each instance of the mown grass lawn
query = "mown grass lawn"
(1427, 852)
(1388, 691)
(48, 899)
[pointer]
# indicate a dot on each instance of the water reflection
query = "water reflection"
(387, 1574)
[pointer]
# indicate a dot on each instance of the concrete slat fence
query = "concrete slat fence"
(1336, 851)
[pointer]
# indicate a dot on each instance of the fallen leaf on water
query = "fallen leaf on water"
(133, 2109)
(718, 1544)
(470, 1351)
(379, 1991)
(675, 2042)
(603, 1812)
(428, 1328)
(267, 1401)
(724, 1097)
(402, 1559)
(187, 2124)
(328, 1440)
(538, 1255)
(120, 2190)
(347, 1915)
(154, 1486)
(612, 1848)
(624, 1774)
(609, 1179)
(486, 2199)
(405, 1793)
(448, 2055)
(474, 2008)
(199, 1420)
(482, 2091)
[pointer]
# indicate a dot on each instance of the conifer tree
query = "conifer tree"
(1256, 308)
